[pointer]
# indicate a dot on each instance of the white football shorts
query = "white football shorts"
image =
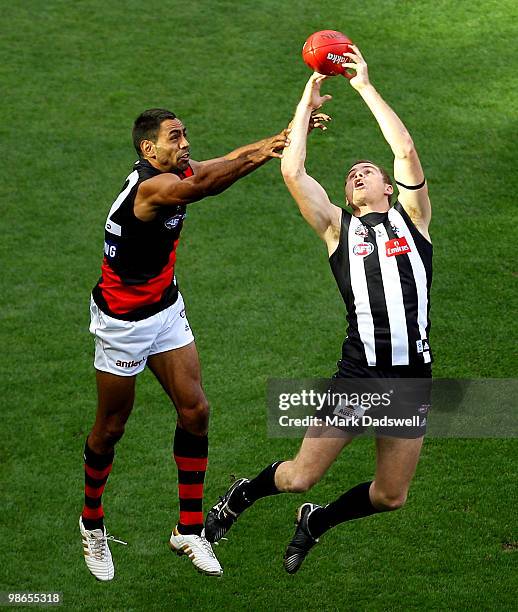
(122, 347)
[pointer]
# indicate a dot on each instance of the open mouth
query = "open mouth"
(358, 185)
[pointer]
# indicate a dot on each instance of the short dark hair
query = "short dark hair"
(386, 176)
(147, 124)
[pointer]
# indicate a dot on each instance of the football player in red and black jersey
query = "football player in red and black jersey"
(138, 318)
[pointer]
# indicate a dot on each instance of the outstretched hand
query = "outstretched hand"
(274, 146)
(312, 96)
(359, 65)
(316, 121)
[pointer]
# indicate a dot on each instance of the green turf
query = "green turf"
(258, 289)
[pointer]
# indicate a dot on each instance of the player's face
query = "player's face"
(365, 184)
(172, 147)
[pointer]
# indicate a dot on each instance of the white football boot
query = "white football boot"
(97, 553)
(199, 551)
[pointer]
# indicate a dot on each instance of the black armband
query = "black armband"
(411, 186)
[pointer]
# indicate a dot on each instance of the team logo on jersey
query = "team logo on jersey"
(422, 345)
(395, 229)
(173, 222)
(362, 231)
(362, 249)
(397, 246)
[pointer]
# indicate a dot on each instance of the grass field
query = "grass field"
(258, 289)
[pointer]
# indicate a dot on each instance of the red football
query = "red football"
(323, 52)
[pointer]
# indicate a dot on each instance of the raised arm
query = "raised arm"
(317, 121)
(209, 178)
(240, 153)
(408, 173)
(310, 196)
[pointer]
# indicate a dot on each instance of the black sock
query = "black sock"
(263, 485)
(353, 504)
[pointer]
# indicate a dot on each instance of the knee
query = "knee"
(103, 439)
(295, 482)
(300, 485)
(194, 416)
(387, 502)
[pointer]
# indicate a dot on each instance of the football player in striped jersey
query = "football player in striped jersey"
(381, 258)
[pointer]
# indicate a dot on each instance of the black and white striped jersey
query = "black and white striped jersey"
(383, 268)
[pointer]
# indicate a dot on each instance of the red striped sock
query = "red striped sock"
(97, 470)
(190, 454)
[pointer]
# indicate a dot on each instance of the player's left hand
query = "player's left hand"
(273, 146)
(359, 65)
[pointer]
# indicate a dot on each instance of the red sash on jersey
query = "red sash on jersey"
(122, 298)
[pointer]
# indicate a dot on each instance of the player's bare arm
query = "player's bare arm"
(317, 121)
(312, 199)
(407, 167)
(241, 152)
(208, 179)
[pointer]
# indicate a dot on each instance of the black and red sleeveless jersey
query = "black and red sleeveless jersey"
(138, 277)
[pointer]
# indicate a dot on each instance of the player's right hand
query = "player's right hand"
(356, 62)
(317, 121)
(312, 96)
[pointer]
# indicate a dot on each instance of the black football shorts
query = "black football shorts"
(390, 401)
